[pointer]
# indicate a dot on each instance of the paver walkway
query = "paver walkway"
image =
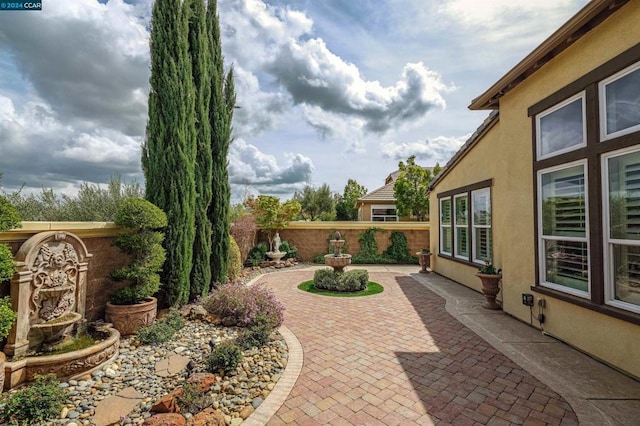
(400, 358)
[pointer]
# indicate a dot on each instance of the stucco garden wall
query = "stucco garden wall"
(98, 237)
(505, 154)
(311, 237)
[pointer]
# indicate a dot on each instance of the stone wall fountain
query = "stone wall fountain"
(48, 292)
(338, 260)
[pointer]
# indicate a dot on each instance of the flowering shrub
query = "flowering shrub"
(246, 306)
(243, 230)
(489, 268)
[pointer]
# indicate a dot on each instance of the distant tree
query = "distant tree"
(169, 150)
(272, 215)
(317, 203)
(410, 189)
(201, 65)
(346, 206)
(223, 101)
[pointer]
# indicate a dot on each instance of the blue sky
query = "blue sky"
(328, 89)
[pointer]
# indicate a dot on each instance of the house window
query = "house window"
(563, 241)
(481, 221)
(384, 213)
(446, 240)
(461, 212)
(620, 103)
(561, 128)
(621, 184)
(465, 223)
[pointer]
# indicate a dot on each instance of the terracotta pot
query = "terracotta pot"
(490, 289)
(425, 262)
(128, 319)
(3, 358)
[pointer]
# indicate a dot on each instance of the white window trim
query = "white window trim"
(385, 206)
(542, 237)
(607, 241)
(474, 226)
(603, 104)
(455, 226)
(448, 253)
(553, 109)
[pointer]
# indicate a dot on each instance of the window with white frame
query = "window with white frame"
(465, 223)
(461, 214)
(561, 128)
(446, 240)
(384, 213)
(621, 186)
(620, 103)
(481, 224)
(563, 244)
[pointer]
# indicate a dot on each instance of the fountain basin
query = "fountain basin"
(276, 255)
(338, 263)
(54, 330)
(68, 365)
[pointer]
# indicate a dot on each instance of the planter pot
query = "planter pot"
(128, 319)
(490, 289)
(425, 262)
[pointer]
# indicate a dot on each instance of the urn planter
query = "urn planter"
(425, 261)
(128, 319)
(490, 289)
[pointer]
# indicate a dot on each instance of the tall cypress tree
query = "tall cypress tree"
(169, 151)
(201, 63)
(223, 101)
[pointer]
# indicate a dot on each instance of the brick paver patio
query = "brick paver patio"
(400, 358)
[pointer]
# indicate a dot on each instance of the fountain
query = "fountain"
(338, 261)
(48, 293)
(276, 255)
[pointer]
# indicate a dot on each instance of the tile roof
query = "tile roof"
(384, 193)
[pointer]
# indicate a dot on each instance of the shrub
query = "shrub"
(224, 357)
(7, 265)
(7, 316)
(162, 330)
(258, 253)
(243, 230)
(291, 251)
(350, 281)
(192, 400)
(399, 249)
(246, 306)
(144, 246)
(256, 335)
(318, 258)
(235, 260)
(40, 401)
(9, 217)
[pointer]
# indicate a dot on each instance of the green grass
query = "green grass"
(372, 288)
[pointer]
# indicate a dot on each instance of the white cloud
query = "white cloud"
(439, 149)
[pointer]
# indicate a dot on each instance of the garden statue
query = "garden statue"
(276, 243)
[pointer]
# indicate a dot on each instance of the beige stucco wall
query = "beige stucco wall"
(505, 154)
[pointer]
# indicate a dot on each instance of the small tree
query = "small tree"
(316, 203)
(271, 215)
(9, 219)
(346, 206)
(410, 189)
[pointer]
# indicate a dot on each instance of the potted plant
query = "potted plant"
(133, 307)
(424, 257)
(9, 219)
(490, 278)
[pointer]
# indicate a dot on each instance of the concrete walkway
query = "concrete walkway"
(424, 352)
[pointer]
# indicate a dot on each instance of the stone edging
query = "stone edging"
(280, 392)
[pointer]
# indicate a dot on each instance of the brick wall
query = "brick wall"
(311, 238)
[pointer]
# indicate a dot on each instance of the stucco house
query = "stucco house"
(548, 187)
(379, 205)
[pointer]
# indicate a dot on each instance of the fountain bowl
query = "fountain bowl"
(276, 255)
(338, 263)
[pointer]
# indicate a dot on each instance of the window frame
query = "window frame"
(474, 256)
(450, 196)
(542, 237)
(442, 226)
(387, 207)
(464, 226)
(602, 95)
(580, 95)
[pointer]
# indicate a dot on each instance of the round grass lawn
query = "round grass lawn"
(372, 288)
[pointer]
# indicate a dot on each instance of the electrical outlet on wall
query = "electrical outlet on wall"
(541, 302)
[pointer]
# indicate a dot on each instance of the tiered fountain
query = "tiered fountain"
(338, 261)
(48, 292)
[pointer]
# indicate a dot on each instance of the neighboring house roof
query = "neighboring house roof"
(589, 17)
(486, 125)
(384, 193)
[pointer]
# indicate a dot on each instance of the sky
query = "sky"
(327, 90)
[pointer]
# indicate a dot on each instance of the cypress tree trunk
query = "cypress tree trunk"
(201, 63)
(168, 154)
(221, 113)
